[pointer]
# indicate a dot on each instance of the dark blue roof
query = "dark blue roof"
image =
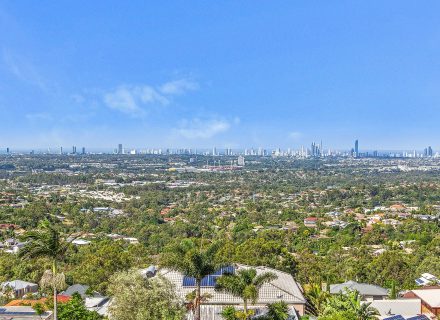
(421, 317)
(4, 311)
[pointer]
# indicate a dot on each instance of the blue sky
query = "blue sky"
(224, 73)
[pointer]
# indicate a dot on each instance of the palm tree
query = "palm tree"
(278, 311)
(245, 284)
(366, 312)
(363, 311)
(193, 301)
(192, 262)
(350, 302)
(316, 298)
(46, 241)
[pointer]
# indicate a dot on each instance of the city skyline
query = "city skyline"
(264, 74)
(315, 151)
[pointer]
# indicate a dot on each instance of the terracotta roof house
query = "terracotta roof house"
(28, 302)
(430, 297)
(311, 222)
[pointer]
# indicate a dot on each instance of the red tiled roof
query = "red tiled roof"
(29, 302)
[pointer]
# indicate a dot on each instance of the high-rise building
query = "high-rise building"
(241, 161)
(7, 150)
(356, 148)
(74, 150)
(214, 151)
(120, 150)
(315, 150)
(83, 151)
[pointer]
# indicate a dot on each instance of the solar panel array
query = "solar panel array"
(421, 317)
(17, 313)
(210, 280)
(398, 317)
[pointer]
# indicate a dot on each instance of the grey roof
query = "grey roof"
(405, 307)
(18, 284)
(364, 289)
(79, 288)
(22, 313)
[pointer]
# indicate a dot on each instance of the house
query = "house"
(430, 297)
(98, 304)
(11, 245)
(23, 313)
(427, 279)
(406, 308)
(284, 288)
(93, 301)
(19, 288)
(31, 302)
(311, 222)
(334, 214)
(368, 292)
(76, 288)
(399, 317)
(8, 226)
(80, 242)
(397, 207)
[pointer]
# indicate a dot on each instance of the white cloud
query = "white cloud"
(202, 129)
(134, 100)
(178, 87)
(148, 94)
(122, 99)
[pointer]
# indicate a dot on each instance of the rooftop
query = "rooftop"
(364, 289)
(283, 288)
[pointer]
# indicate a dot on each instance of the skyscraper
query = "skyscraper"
(356, 148)
(120, 150)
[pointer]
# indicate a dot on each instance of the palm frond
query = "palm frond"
(264, 278)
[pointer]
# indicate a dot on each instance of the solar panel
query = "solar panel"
(420, 317)
(210, 280)
(189, 282)
(17, 313)
(397, 317)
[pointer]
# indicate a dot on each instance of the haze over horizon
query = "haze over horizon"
(230, 74)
